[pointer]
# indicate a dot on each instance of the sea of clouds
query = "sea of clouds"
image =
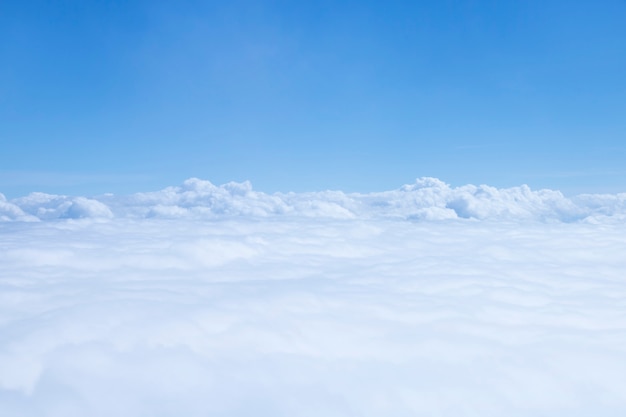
(204, 300)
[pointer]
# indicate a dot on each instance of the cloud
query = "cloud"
(81, 207)
(302, 316)
(48, 206)
(10, 211)
(221, 300)
(428, 199)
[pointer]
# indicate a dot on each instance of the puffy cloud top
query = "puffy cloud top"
(307, 314)
(427, 199)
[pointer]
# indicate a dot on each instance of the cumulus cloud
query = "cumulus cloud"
(428, 199)
(48, 206)
(214, 300)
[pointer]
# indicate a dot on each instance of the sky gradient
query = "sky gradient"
(112, 96)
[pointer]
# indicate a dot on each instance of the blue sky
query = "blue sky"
(122, 96)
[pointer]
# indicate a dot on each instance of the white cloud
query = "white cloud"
(220, 300)
(427, 199)
(10, 212)
(48, 206)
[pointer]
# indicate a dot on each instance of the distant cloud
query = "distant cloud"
(10, 211)
(428, 199)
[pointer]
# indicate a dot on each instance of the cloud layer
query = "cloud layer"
(203, 300)
(426, 199)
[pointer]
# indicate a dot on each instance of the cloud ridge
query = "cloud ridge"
(427, 199)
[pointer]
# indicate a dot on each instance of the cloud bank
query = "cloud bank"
(205, 300)
(426, 199)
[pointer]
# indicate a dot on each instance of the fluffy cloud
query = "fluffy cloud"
(300, 316)
(221, 300)
(47, 206)
(427, 199)
(10, 211)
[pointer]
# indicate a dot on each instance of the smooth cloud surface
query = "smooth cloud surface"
(203, 300)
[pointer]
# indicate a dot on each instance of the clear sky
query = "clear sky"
(124, 96)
